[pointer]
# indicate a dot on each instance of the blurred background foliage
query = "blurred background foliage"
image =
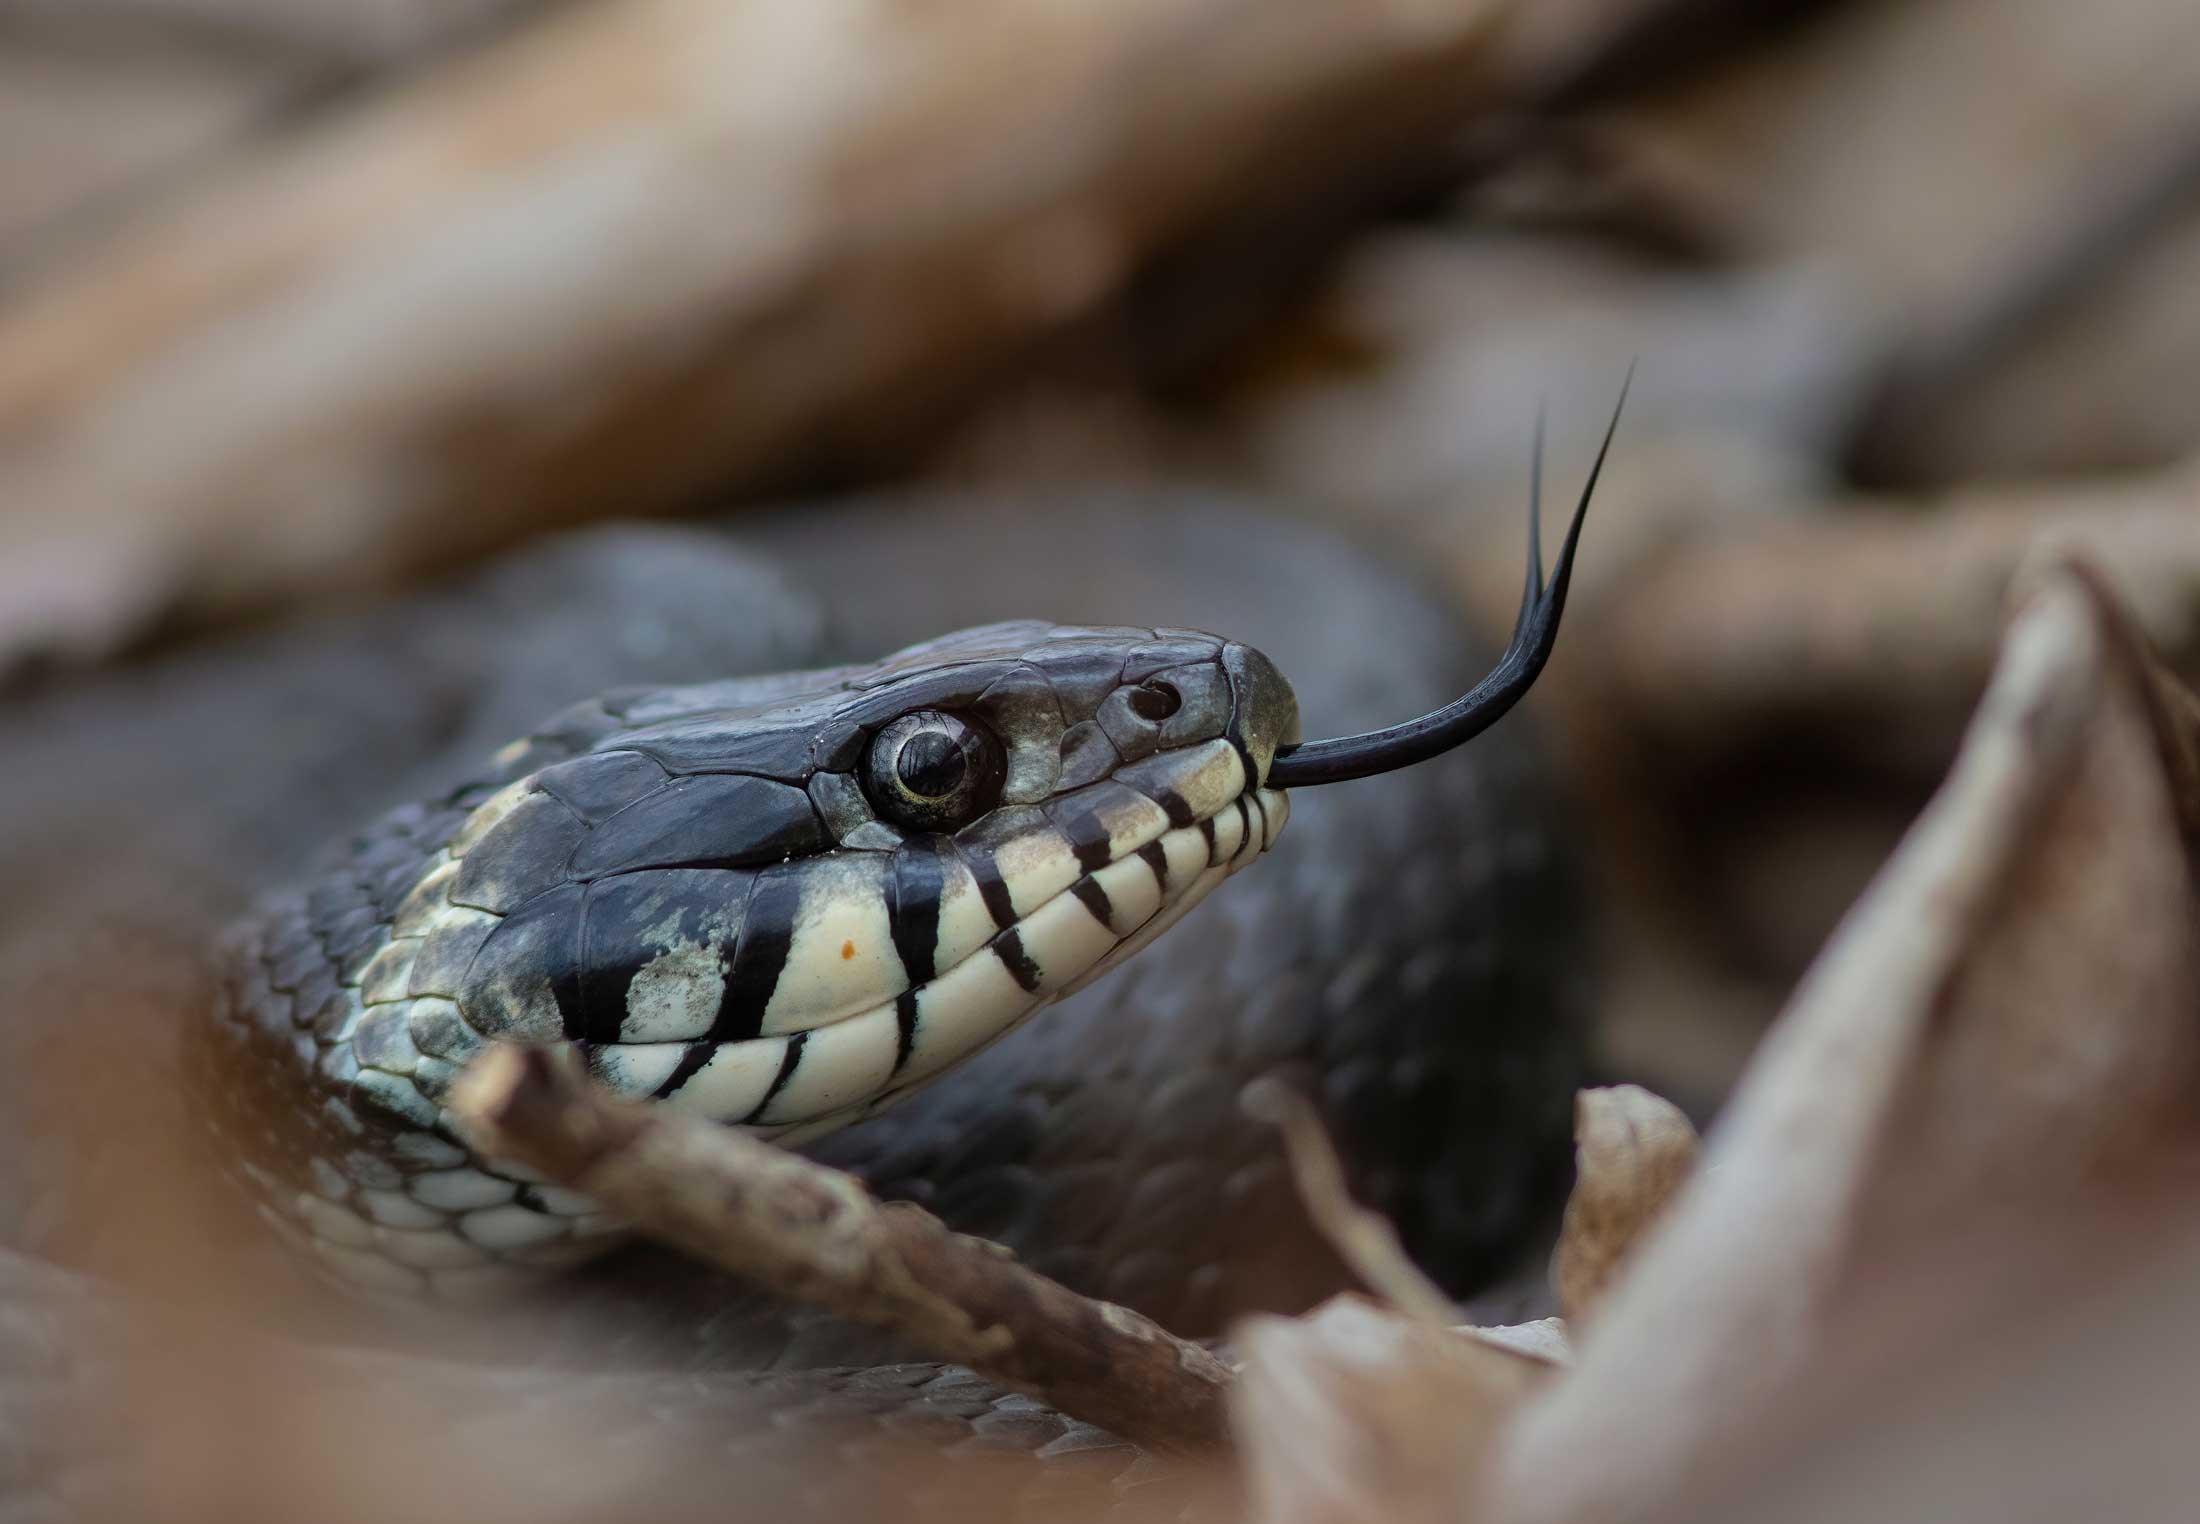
(299, 301)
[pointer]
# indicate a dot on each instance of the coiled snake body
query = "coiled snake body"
(1409, 953)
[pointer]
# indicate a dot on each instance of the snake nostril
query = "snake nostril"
(1155, 700)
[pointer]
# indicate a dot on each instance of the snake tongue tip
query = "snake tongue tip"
(1535, 635)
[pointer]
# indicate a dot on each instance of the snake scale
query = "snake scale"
(1410, 951)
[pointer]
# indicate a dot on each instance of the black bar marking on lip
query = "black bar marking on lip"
(691, 1063)
(1175, 806)
(992, 888)
(919, 879)
(1009, 948)
(1088, 839)
(905, 1020)
(1262, 809)
(1207, 829)
(1245, 829)
(787, 1063)
(1095, 899)
(759, 957)
(1154, 857)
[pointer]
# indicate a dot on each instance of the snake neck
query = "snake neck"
(354, 1164)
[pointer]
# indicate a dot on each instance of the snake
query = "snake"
(837, 897)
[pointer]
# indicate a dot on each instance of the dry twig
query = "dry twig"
(1364, 1240)
(802, 1230)
(1365, 1411)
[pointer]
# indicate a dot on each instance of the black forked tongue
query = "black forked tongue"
(1534, 633)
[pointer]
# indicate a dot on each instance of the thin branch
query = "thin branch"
(1363, 1239)
(805, 1231)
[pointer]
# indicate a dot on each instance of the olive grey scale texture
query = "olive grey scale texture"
(730, 898)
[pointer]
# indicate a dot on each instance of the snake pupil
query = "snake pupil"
(931, 765)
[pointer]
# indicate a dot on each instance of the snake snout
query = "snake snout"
(1264, 712)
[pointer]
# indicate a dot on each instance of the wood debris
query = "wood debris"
(814, 1234)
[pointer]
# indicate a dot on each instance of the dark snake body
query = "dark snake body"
(1409, 952)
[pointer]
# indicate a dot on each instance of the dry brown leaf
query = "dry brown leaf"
(1544, 1339)
(2074, 1401)
(1632, 1151)
(2004, 1025)
(1357, 1413)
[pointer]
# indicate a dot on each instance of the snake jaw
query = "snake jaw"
(1084, 885)
(1078, 935)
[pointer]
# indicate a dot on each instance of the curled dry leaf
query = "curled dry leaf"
(2003, 1026)
(2071, 1400)
(1354, 1412)
(1632, 1151)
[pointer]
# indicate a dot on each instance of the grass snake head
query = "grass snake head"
(780, 902)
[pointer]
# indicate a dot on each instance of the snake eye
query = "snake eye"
(933, 771)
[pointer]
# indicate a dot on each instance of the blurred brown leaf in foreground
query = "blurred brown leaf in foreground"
(1998, 1045)
(1358, 1412)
